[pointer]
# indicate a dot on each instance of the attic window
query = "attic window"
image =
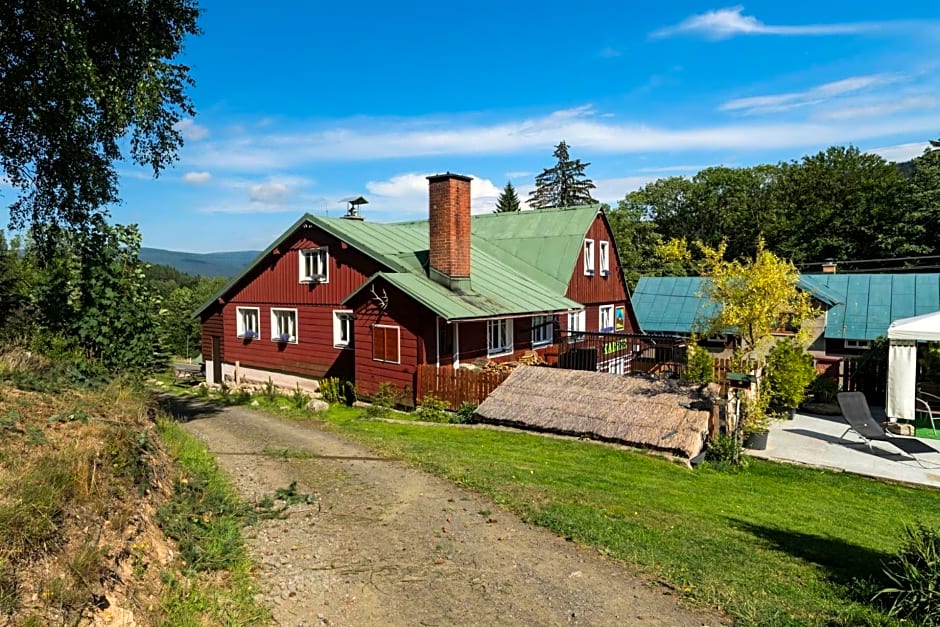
(858, 343)
(604, 252)
(314, 265)
(589, 257)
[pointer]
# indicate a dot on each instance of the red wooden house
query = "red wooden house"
(369, 302)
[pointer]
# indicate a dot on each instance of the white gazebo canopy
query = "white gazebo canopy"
(903, 336)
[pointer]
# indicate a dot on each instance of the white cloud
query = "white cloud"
(900, 152)
(728, 22)
(190, 130)
(609, 53)
(665, 169)
(378, 139)
(197, 178)
(614, 189)
(520, 174)
(409, 192)
(269, 193)
(886, 106)
(776, 103)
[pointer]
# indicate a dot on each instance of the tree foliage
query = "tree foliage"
(563, 185)
(840, 203)
(508, 200)
(755, 296)
(91, 301)
(80, 77)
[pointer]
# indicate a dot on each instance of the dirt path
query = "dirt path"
(386, 544)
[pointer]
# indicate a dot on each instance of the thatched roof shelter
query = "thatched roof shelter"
(669, 416)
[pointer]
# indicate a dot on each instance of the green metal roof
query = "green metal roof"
(676, 304)
(671, 304)
(520, 262)
(869, 303)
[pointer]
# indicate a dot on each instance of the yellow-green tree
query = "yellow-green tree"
(755, 296)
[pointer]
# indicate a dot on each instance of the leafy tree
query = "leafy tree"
(180, 333)
(78, 78)
(755, 296)
(845, 204)
(92, 302)
(925, 190)
(563, 185)
(789, 373)
(637, 240)
(508, 200)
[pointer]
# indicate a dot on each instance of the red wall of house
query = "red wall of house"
(212, 325)
(313, 355)
(417, 339)
(473, 340)
(596, 290)
(277, 279)
(275, 282)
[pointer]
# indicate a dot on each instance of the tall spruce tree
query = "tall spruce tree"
(564, 185)
(508, 200)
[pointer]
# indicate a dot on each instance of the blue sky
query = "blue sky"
(301, 104)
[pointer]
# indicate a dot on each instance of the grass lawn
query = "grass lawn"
(771, 545)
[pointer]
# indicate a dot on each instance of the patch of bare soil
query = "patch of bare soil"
(387, 544)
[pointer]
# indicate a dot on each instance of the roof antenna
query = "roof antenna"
(352, 207)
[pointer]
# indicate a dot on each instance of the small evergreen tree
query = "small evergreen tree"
(508, 200)
(564, 185)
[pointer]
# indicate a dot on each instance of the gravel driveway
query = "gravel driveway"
(386, 544)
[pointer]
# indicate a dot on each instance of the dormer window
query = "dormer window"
(314, 265)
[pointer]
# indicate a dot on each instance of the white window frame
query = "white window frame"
(588, 257)
(600, 317)
(542, 330)
(398, 332)
(321, 265)
(276, 332)
(240, 326)
(603, 252)
(339, 316)
(506, 332)
(576, 323)
(858, 344)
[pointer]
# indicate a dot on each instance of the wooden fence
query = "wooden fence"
(456, 386)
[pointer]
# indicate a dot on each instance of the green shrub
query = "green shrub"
(915, 573)
(386, 398)
(299, 398)
(725, 450)
(789, 372)
(465, 413)
(331, 390)
(241, 397)
(270, 390)
(349, 393)
(700, 366)
(432, 409)
(824, 390)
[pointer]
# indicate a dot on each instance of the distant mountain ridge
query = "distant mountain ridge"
(226, 264)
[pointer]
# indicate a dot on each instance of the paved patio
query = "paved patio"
(816, 441)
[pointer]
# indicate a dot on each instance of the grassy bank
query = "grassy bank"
(770, 545)
(88, 495)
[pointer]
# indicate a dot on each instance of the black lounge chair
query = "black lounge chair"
(856, 413)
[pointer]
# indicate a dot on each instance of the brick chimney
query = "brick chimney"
(449, 218)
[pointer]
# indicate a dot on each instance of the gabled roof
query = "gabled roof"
(521, 262)
(871, 302)
(677, 304)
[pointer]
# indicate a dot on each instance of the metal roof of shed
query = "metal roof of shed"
(872, 301)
